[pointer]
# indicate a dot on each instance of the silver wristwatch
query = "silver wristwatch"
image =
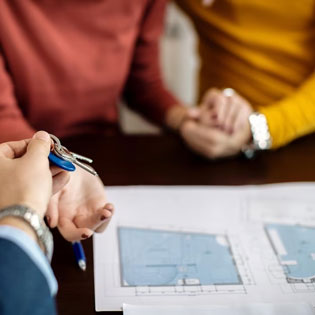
(36, 223)
(261, 139)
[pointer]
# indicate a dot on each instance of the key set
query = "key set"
(65, 159)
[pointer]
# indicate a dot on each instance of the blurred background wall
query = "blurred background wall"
(179, 64)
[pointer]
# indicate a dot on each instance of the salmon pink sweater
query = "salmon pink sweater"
(64, 65)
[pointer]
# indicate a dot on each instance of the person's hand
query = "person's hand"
(227, 112)
(80, 208)
(212, 142)
(25, 177)
(211, 130)
(220, 127)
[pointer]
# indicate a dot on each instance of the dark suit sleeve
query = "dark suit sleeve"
(23, 287)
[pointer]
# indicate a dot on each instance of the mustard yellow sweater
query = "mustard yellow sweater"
(265, 50)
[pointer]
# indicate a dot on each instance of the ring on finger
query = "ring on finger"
(228, 92)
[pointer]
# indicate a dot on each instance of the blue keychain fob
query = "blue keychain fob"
(65, 165)
(65, 159)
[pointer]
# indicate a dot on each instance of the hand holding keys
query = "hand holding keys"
(64, 158)
(82, 207)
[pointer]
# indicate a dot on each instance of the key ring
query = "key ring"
(60, 150)
(65, 159)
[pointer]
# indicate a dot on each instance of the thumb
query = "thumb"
(39, 145)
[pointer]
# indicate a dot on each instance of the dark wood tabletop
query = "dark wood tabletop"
(164, 160)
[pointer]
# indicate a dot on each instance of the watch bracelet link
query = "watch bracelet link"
(38, 225)
(261, 138)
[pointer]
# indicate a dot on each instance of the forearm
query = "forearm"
(145, 90)
(293, 116)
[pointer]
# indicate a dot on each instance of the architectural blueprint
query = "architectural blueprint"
(294, 246)
(164, 258)
(208, 246)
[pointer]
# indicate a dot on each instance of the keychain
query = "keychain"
(66, 159)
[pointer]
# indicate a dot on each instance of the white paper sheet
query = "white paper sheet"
(257, 309)
(258, 228)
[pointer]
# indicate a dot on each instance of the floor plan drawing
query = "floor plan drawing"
(294, 246)
(167, 258)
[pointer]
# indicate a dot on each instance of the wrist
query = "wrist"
(19, 224)
(176, 116)
(24, 202)
(12, 215)
(37, 208)
(248, 134)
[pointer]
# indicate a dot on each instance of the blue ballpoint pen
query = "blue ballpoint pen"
(79, 255)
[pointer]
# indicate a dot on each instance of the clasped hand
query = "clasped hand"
(76, 202)
(219, 127)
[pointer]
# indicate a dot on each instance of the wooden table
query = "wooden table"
(164, 160)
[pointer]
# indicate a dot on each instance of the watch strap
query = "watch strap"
(261, 139)
(42, 232)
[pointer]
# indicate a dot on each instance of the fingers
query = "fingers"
(215, 108)
(239, 114)
(227, 112)
(95, 220)
(193, 113)
(55, 170)
(14, 149)
(231, 113)
(207, 3)
(71, 232)
(222, 127)
(209, 96)
(104, 225)
(60, 181)
(221, 107)
(39, 145)
(204, 133)
(208, 117)
(52, 214)
(208, 108)
(240, 118)
(204, 140)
